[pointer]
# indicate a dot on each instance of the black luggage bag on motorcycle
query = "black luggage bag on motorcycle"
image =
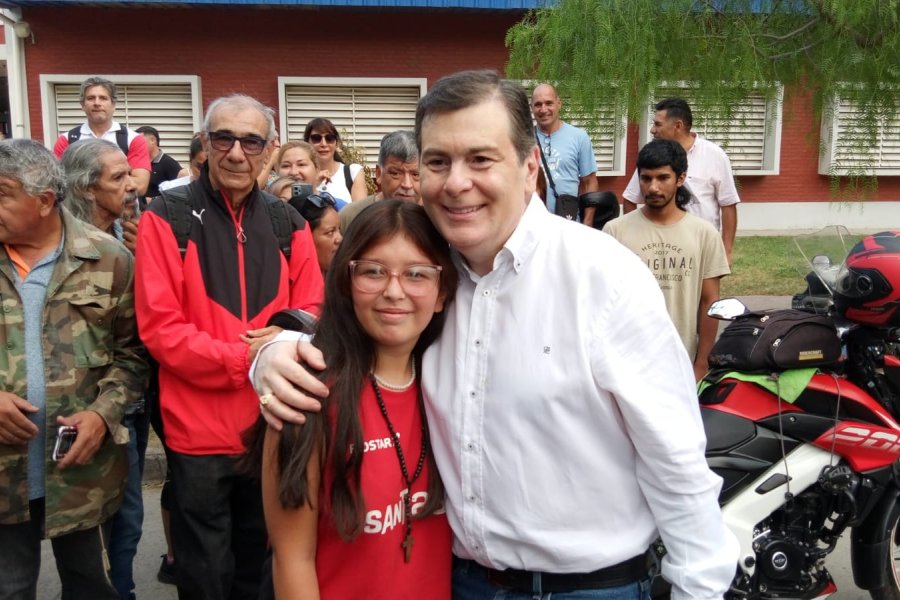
(777, 340)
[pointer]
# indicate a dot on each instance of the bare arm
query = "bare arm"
(359, 190)
(729, 228)
(586, 184)
(707, 327)
(292, 531)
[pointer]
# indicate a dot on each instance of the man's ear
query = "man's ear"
(681, 179)
(47, 201)
(378, 174)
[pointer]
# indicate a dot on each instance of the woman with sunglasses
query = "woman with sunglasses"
(351, 496)
(345, 182)
(321, 212)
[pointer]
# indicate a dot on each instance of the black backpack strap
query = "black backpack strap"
(281, 223)
(74, 134)
(348, 179)
(546, 166)
(122, 138)
(179, 205)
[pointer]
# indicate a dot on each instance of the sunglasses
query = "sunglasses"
(316, 138)
(321, 200)
(223, 142)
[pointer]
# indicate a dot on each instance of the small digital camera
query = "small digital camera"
(65, 437)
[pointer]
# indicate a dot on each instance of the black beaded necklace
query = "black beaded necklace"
(407, 499)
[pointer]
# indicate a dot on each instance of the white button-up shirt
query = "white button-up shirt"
(564, 418)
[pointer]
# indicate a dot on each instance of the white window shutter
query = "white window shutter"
(848, 147)
(363, 114)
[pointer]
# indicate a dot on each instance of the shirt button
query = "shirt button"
(486, 292)
(477, 342)
(470, 446)
(472, 394)
(471, 497)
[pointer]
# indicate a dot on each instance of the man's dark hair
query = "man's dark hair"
(666, 153)
(468, 88)
(151, 130)
(677, 108)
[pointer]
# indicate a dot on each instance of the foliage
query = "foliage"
(357, 154)
(614, 54)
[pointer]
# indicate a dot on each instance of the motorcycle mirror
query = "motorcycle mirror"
(727, 309)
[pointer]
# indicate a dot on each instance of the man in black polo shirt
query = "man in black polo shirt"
(164, 167)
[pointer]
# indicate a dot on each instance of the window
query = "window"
(171, 104)
(752, 137)
(364, 110)
(848, 148)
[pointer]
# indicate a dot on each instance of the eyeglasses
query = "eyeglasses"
(372, 277)
(223, 142)
(321, 200)
(398, 174)
(316, 138)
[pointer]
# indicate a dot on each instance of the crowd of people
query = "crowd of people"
(473, 415)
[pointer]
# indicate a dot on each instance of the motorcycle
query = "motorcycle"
(805, 459)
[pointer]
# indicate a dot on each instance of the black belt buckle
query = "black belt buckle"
(628, 571)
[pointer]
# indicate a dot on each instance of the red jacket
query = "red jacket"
(191, 313)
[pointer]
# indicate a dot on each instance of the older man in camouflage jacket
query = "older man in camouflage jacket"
(71, 358)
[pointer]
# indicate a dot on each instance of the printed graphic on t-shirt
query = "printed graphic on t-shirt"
(668, 263)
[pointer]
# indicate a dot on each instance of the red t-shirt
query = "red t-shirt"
(372, 566)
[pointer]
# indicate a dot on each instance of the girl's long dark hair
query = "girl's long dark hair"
(350, 355)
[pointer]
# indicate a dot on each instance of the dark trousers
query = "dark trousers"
(218, 530)
(81, 560)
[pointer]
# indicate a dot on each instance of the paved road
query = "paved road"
(153, 545)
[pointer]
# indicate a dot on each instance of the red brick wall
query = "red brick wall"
(243, 49)
(246, 50)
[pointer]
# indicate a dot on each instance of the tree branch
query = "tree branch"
(799, 30)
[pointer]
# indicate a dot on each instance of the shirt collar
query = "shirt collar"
(521, 244)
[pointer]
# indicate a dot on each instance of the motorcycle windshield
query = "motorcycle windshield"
(822, 255)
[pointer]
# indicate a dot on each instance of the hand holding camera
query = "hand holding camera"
(91, 430)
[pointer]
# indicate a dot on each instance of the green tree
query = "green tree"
(613, 54)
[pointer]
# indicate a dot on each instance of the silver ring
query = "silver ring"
(265, 399)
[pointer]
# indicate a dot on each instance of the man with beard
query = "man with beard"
(101, 188)
(684, 252)
(98, 101)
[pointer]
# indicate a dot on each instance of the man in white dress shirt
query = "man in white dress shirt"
(564, 451)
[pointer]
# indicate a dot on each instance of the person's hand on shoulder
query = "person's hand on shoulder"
(284, 385)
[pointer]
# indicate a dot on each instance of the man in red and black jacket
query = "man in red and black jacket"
(202, 310)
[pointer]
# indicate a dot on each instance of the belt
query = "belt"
(628, 571)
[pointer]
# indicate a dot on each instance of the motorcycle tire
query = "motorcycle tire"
(891, 562)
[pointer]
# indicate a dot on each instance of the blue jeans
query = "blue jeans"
(128, 522)
(470, 582)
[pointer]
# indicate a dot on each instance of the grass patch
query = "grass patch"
(764, 266)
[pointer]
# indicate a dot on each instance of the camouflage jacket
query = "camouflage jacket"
(91, 362)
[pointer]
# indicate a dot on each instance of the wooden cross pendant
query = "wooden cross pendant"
(407, 546)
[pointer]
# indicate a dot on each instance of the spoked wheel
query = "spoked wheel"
(892, 562)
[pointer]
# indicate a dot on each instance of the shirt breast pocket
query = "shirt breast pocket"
(92, 323)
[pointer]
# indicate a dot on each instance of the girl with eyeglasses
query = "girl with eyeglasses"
(344, 182)
(356, 484)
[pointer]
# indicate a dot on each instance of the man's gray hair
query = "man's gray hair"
(90, 82)
(32, 165)
(400, 144)
(242, 101)
(83, 164)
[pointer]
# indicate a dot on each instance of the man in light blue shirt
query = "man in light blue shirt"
(566, 149)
